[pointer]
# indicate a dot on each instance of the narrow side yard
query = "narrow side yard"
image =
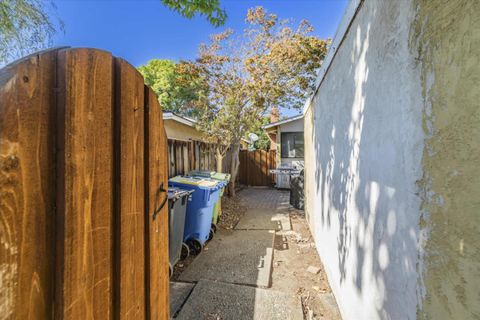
(261, 264)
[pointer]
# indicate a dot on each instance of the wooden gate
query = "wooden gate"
(83, 166)
(255, 167)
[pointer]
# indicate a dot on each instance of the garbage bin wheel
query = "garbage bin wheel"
(195, 246)
(170, 270)
(185, 251)
(210, 235)
(214, 227)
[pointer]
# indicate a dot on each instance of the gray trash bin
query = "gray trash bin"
(297, 198)
(177, 207)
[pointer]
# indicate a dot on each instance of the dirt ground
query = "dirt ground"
(232, 211)
(294, 253)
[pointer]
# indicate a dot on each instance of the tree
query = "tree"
(177, 85)
(263, 142)
(270, 64)
(189, 8)
(25, 27)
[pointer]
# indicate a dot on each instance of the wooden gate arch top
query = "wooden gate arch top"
(83, 151)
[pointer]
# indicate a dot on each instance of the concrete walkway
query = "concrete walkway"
(239, 274)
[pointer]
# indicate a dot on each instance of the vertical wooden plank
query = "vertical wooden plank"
(200, 156)
(259, 167)
(245, 157)
(206, 156)
(186, 158)
(197, 156)
(191, 153)
(175, 153)
(263, 166)
(182, 156)
(241, 168)
(178, 164)
(157, 280)
(255, 168)
(130, 295)
(178, 158)
(172, 157)
(27, 187)
(244, 166)
(84, 185)
(251, 167)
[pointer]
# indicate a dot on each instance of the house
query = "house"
(187, 149)
(180, 127)
(286, 137)
(183, 128)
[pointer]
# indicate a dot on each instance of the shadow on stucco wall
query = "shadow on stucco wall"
(364, 162)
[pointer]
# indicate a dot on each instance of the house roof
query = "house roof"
(182, 119)
(278, 123)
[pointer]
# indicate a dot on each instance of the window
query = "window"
(292, 144)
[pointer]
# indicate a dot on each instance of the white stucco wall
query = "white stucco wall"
(364, 143)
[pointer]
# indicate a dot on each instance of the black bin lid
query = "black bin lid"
(175, 193)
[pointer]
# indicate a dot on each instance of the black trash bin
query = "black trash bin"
(296, 191)
(177, 207)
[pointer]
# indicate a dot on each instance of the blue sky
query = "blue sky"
(144, 29)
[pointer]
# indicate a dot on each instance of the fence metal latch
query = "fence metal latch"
(157, 195)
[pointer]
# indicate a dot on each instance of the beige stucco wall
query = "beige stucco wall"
(309, 182)
(179, 131)
(446, 39)
(392, 145)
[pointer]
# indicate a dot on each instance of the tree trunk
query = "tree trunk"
(235, 163)
(219, 159)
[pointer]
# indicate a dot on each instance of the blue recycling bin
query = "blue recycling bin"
(199, 210)
(224, 178)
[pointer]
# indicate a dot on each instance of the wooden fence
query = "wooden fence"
(185, 156)
(255, 167)
(83, 157)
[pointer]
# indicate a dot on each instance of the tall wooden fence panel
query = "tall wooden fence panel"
(255, 167)
(83, 166)
(185, 156)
